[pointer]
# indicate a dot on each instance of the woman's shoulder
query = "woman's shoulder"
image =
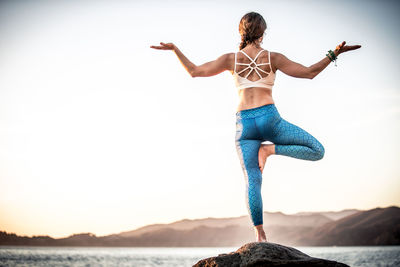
(229, 55)
(228, 58)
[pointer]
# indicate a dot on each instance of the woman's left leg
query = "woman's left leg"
(292, 141)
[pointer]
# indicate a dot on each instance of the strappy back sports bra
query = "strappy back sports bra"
(243, 82)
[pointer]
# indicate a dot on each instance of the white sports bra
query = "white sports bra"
(243, 82)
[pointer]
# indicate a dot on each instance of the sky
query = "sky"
(100, 133)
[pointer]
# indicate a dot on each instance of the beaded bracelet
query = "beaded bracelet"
(329, 56)
(332, 56)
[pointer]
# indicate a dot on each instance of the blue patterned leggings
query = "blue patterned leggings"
(256, 125)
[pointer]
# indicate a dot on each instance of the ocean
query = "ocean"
(177, 256)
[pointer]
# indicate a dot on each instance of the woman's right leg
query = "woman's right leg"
(248, 144)
(248, 155)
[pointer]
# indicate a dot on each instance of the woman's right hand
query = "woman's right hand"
(164, 46)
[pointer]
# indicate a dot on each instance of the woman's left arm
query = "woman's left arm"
(321, 65)
(205, 70)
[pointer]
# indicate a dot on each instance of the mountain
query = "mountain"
(379, 226)
(334, 215)
(372, 227)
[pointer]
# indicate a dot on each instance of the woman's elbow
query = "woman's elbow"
(193, 73)
(311, 75)
(196, 72)
(202, 72)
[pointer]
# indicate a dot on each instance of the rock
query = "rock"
(265, 254)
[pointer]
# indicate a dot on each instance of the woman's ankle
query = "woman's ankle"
(270, 149)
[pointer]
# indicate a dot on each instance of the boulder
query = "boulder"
(265, 254)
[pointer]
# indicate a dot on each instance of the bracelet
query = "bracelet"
(332, 56)
(329, 56)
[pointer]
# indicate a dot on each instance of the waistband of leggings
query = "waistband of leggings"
(256, 112)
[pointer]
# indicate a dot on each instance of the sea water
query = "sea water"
(176, 256)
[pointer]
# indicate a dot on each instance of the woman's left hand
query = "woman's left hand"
(344, 48)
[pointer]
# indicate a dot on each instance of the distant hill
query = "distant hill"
(334, 215)
(270, 218)
(379, 226)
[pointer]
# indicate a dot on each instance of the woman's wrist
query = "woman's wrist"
(333, 55)
(336, 52)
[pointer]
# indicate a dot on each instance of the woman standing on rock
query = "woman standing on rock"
(257, 119)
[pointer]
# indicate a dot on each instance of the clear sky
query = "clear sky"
(100, 133)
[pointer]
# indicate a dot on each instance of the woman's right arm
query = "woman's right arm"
(297, 70)
(207, 69)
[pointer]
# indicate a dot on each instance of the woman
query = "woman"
(257, 119)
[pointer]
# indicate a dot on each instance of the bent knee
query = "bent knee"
(319, 152)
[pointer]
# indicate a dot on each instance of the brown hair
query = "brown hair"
(251, 27)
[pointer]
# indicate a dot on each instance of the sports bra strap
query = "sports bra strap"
(242, 82)
(269, 60)
(234, 68)
(253, 60)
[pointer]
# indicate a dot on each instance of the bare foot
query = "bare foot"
(264, 152)
(260, 234)
(261, 237)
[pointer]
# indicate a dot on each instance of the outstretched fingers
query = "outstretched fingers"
(344, 48)
(163, 46)
(339, 47)
(353, 47)
(157, 47)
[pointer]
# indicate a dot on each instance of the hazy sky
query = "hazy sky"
(100, 133)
